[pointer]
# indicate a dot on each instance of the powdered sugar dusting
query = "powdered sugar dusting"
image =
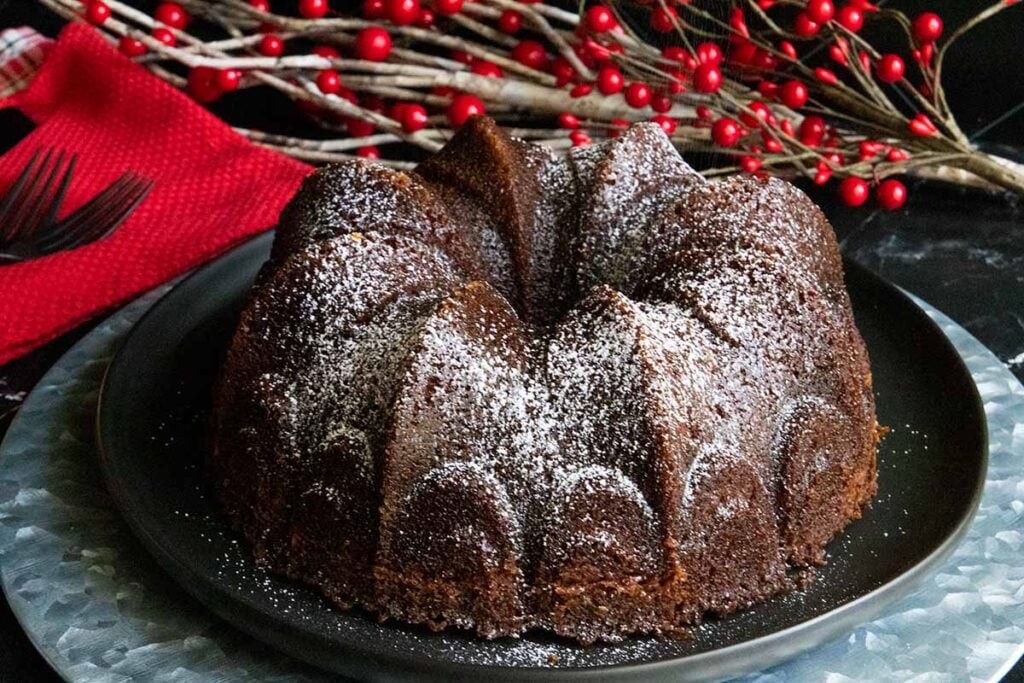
(681, 346)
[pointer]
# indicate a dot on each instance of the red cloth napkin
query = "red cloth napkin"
(213, 187)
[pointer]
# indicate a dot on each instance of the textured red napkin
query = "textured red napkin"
(213, 187)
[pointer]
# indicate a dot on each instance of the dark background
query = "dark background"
(962, 250)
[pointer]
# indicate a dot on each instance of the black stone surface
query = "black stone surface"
(961, 250)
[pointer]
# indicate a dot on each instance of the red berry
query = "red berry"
(662, 19)
(661, 103)
(865, 61)
(447, 8)
(758, 114)
(768, 90)
(674, 53)
(482, 68)
(811, 130)
(562, 70)
(786, 48)
(260, 5)
(667, 123)
(600, 19)
(271, 46)
(326, 51)
(750, 164)
(743, 54)
(927, 27)
(618, 127)
(172, 14)
(567, 120)
(97, 12)
(202, 84)
(764, 60)
(530, 53)
(889, 69)
(826, 75)
(638, 95)
(820, 11)
(374, 9)
(358, 128)
(462, 107)
(851, 18)
(313, 9)
(510, 21)
(838, 54)
(771, 144)
(594, 53)
(426, 18)
(165, 36)
(462, 57)
(579, 138)
(413, 118)
(707, 78)
(922, 125)
(726, 132)
(131, 47)
(896, 155)
(869, 149)
(891, 194)
(581, 90)
(329, 82)
(402, 12)
(804, 26)
(824, 173)
(228, 79)
(373, 44)
(609, 80)
(793, 94)
(738, 24)
(709, 53)
(853, 191)
(368, 152)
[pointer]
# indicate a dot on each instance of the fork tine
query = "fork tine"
(141, 191)
(107, 215)
(98, 220)
(83, 216)
(48, 198)
(58, 196)
(15, 188)
(30, 198)
(11, 199)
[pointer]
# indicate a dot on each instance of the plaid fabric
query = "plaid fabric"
(21, 53)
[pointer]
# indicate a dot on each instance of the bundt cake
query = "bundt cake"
(587, 393)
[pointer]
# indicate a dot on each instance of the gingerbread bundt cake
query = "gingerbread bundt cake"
(591, 394)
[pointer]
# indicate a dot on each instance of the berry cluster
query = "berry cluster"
(776, 87)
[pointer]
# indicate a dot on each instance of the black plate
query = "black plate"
(154, 408)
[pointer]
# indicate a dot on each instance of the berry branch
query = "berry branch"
(781, 87)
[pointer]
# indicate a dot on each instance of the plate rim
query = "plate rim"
(723, 661)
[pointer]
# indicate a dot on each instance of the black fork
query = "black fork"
(93, 221)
